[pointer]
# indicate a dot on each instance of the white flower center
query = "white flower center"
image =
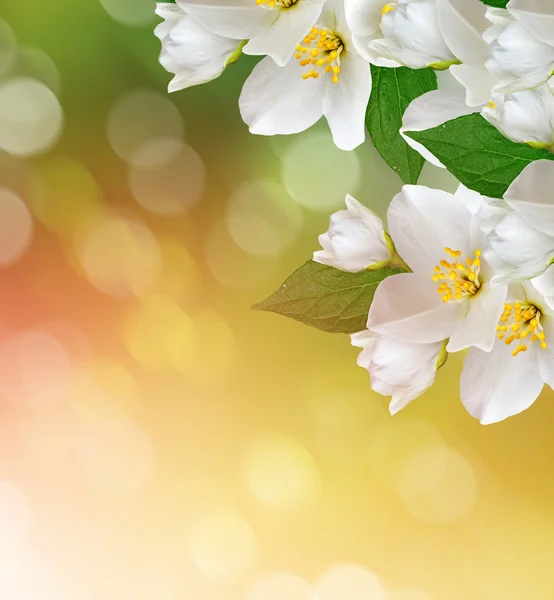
(278, 4)
(460, 279)
(523, 321)
(321, 51)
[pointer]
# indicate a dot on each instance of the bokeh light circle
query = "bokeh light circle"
(116, 456)
(280, 471)
(16, 227)
(35, 63)
(395, 442)
(168, 177)
(280, 586)
(349, 581)
(138, 117)
(120, 256)
(408, 594)
(437, 484)
(262, 218)
(8, 47)
(31, 118)
(35, 369)
(134, 13)
(15, 518)
(222, 545)
(317, 174)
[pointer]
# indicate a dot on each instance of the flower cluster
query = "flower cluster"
(479, 275)
(317, 54)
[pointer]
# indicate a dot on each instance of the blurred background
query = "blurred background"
(158, 439)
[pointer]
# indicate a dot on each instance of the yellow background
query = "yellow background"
(161, 441)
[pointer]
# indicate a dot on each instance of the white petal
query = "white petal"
(355, 239)
(407, 308)
(462, 24)
(276, 100)
(237, 19)
(496, 385)
(363, 16)
(367, 340)
(544, 284)
(531, 195)
(477, 81)
(479, 326)
(433, 109)
(423, 222)
(185, 78)
(546, 355)
(473, 201)
(345, 102)
(536, 16)
(521, 245)
(291, 26)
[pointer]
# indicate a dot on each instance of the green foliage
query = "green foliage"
(393, 90)
(477, 154)
(496, 3)
(327, 298)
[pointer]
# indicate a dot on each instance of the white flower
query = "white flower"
(415, 33)
(526, 116)
(325, 77)
(501, 383)
(521, 41)
(356, 240)
(522, 242)
(403, 371)
(448, 294)
(189, 51)
(273, 27)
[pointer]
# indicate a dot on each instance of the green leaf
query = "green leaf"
(392, 91)
(496, 3)
(326, 298)
(477, 154)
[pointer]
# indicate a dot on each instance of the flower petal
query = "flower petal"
(546, 355)
(423, 222)
(477, 81)
(345, 102)
(521, 245)
(544, 284)
(407, 308)
(276, 100)
(363, 16)
(291, 26)
(496, 385)
(355, 239)
(237, 19)
(433, 109)
(462, 24)
(479, 326)
(537, 16)
(531, 195)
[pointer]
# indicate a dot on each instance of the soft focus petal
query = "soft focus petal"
(367, 340)
(345, 102)
(276, 100)
(531, 195)
(496, 385)
(280, 40)
(431, 110)
(363, 16)
(479, 326)
(407, 308)
(423, 222)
